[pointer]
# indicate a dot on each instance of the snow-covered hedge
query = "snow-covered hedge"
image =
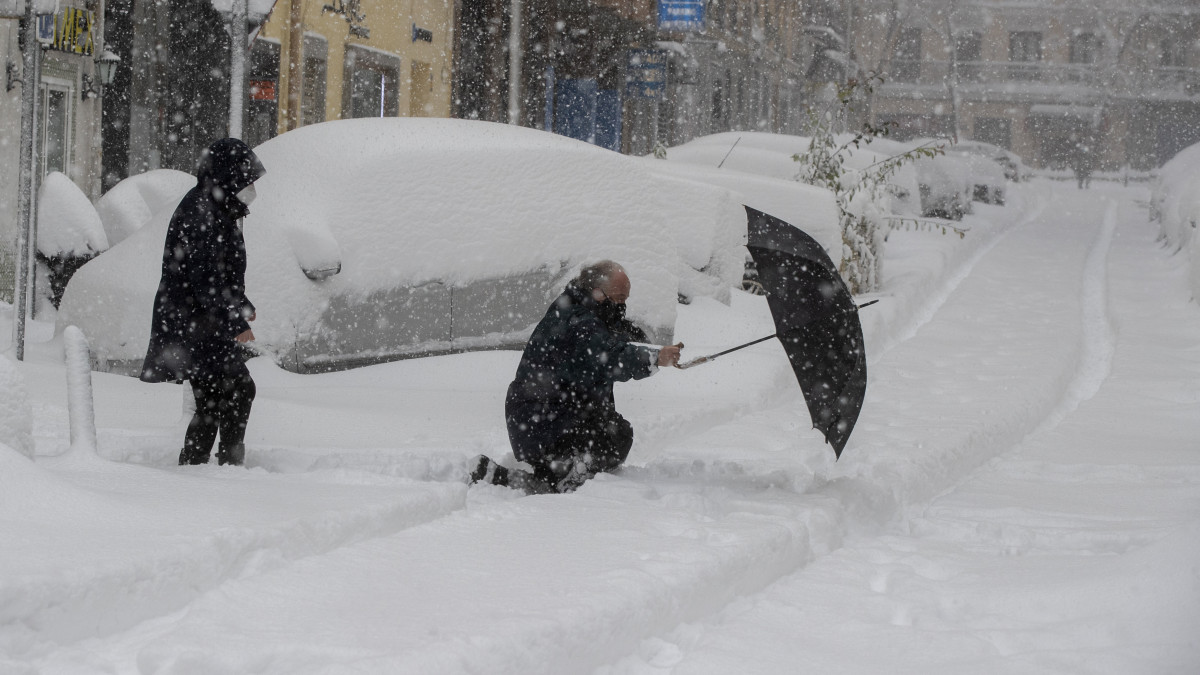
(422, 218)
(1175, 204)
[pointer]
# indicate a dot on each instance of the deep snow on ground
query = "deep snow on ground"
(1021, 496)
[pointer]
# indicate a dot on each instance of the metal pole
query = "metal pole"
(295, 63)
(29, 90)
(35, 182)
(237, 67)
(514, 63)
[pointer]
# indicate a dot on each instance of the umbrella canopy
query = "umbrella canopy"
(815, 319)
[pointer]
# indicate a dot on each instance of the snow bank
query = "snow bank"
(68, 225)
(16, 425)
(132, 202)
(1175, 204)
(406, 211)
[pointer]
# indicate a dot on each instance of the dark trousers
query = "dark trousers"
(591, 444)
(224, 395)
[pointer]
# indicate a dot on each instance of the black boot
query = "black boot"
(189, 457)
(234, 455)
(487, 471)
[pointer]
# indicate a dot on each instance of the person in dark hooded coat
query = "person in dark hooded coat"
(201, 312)
(560, 412)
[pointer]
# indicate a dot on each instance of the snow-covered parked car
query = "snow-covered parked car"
(988, 184)
(772, 155)
(131, 203)
(945, 186)
(373, 239)
(809, 208)
(1009, 162)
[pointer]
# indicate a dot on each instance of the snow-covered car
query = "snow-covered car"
(1009, 162)
(809, 208)
(945, 186)
(373, 239)
(988, 184)
(773, 155)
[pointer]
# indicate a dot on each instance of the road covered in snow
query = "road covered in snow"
(1022, 495)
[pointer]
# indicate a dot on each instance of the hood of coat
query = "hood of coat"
(227, 167)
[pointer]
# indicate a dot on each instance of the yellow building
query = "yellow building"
(353, 58)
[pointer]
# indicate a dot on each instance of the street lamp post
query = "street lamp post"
(31, 56)
(237, 67)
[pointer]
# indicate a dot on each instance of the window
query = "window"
(968, 55)
(1024, 47)
(371, 84)
(55, 120)
(1085, 48)
(906, 59)
(312, 94)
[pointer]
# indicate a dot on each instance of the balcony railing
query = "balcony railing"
(1120, 79)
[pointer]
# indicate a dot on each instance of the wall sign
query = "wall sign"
(646, 74)
(71, 30)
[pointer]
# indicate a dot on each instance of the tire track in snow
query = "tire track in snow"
(1097, 343)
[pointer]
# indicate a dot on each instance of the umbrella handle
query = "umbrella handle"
(694, 362)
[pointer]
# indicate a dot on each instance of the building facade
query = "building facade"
(631, 74)
(1112, 83)
(315, 61)
(308, 61)
(68, 109)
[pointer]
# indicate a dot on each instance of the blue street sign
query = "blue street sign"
(646, 74)
(679, 16)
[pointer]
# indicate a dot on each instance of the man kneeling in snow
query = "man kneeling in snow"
(562, 419)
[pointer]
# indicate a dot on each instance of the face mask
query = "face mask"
(247, 194)
(610, 313)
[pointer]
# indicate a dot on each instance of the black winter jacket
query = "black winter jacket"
(201, 304)
(567, 372)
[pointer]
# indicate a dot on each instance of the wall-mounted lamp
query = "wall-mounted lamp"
(10, 76)
(106, 70)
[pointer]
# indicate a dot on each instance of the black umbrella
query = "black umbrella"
(815, 319)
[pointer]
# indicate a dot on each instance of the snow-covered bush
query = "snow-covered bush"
(130, 204)
(16, 417)
(68, 225)
(69, 233)
(863, 193)
(1175, 204)
(377, 237)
